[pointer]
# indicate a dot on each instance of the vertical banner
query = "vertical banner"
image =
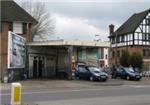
(16, 51)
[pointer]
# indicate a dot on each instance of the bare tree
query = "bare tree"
(46, 23)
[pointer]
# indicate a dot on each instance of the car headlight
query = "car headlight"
(141, 74)
(96, 75)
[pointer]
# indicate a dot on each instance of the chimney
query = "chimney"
(111, 29)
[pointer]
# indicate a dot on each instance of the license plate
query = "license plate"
(137, 76)
(103, 76)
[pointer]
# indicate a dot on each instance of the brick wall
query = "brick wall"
(131, 50)
(4, 43)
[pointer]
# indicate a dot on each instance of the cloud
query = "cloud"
(76, 28)
(76, 19)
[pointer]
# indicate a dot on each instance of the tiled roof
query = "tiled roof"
(11, 11)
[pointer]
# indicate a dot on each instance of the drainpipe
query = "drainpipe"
(116, 35)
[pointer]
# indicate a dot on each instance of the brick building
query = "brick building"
(17, 20)
(132, 36)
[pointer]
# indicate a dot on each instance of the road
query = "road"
(114, 95)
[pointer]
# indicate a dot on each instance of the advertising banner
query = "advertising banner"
(16, 51)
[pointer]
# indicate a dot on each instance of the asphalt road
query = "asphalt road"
(115, 95)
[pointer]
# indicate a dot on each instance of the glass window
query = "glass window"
(144, 36)
(24, 27)
(82, 69)
(149, 53)
(118, 53)
(17, 27)
(147, 21)
(106, 56)
(1, 27)
(122, 38)
(113, 54)
(144, 52)
(118, 39)
(148, 36)
(113, 40)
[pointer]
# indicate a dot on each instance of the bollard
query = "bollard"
(15, 94)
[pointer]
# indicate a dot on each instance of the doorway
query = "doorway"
(38, 65)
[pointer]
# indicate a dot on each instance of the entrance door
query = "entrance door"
(40, 68)
(37, 67)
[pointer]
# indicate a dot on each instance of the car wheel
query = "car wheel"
(104, 80)
(91, 78)
(128, 77)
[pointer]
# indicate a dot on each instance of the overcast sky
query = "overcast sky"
(83, 19)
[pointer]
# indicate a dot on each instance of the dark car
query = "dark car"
(91, 73)
(126, 73)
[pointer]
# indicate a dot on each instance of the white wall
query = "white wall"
(106, 54)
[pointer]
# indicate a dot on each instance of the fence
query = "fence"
(146, 71)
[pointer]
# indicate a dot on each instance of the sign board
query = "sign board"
(16, 51)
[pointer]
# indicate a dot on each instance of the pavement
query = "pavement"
(46, 84)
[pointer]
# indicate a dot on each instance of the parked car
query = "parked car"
(126, 73)
(90, 73)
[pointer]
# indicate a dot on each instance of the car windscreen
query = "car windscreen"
(129, 70)
(94, 69)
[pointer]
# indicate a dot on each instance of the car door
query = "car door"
(122, 72)
(82, 72)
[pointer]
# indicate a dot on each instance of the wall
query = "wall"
(131, 50)
(4, 44)
(56, 60)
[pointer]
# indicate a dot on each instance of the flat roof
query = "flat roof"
(84, 43)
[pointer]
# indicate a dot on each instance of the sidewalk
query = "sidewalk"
(72, 84)
(143, 81)
(61, 84)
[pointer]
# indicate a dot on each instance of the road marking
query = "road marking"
(137, 86)
(59, 91)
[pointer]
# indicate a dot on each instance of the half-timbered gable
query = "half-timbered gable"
(133, 36)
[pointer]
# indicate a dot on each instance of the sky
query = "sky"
(90, 19)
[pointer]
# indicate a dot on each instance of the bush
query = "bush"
(125, 59)
(136, 60)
